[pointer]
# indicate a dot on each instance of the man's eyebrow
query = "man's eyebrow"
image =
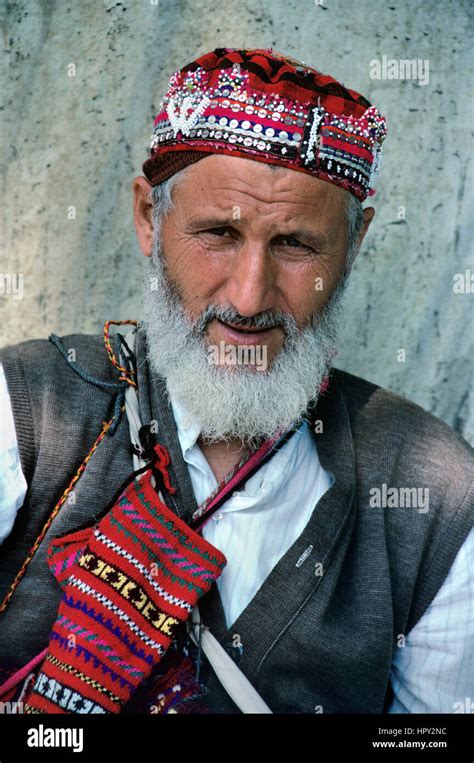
(317, 239)
(209, 222)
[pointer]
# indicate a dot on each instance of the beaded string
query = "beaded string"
(126, 378)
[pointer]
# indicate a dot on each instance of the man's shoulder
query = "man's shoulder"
(50, 397)
(41, 360)
(390, 417)
(404, 447)
(43, 347)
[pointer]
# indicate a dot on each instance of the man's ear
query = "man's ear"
(369, 214)
(142, 207)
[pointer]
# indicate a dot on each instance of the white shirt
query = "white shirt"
(435, 668)
(12, 482)
(243, 528)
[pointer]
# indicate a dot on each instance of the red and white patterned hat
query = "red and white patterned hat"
(262, 105)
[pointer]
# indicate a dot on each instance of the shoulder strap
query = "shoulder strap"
(236, 684)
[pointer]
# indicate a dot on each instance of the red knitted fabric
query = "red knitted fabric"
(129, 582)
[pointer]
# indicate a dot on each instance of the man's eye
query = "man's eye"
(217, 231)
(293, 242)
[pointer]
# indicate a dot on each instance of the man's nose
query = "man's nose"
(251, 285)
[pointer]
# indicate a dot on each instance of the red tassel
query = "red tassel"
(163, 460)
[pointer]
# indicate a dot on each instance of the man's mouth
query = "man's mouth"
(244, 334)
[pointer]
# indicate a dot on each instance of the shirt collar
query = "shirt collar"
(188, 428)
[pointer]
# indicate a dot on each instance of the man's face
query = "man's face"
(254, 238)
(246, 247)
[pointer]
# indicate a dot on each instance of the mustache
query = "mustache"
(267, 319)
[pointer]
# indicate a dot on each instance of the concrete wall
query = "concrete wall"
(77, 141)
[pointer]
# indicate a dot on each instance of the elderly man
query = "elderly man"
(246, 528)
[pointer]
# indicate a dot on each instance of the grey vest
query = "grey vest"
(320, 633)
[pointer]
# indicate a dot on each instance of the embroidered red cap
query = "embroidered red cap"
(263, 105)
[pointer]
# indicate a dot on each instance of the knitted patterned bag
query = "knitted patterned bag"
(129, 583)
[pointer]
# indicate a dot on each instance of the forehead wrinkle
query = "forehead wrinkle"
(290, 209)
(312, 204)
(265, 193)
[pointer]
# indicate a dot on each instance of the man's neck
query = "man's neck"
(223, 456)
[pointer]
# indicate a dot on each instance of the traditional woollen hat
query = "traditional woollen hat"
(262, 105)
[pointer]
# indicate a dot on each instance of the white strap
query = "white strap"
(232, 679)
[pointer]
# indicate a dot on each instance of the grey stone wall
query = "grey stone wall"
(72, 144)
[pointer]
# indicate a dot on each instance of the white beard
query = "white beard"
(238, 402)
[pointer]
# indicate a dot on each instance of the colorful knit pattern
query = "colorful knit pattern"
(263, 105)
(172, 688)
(129, 583)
